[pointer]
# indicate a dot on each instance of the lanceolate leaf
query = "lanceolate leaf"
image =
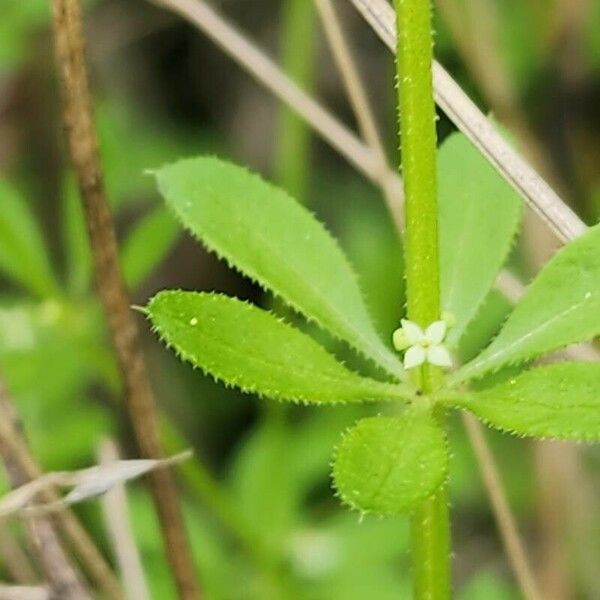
(23, 255)
(251, 349)
(272, 239)
(389, 465)
(556, 401)
(560, 307)
(479, 216)
(148, 244)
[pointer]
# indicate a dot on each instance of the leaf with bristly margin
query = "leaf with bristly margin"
(389, 465)
(247, 347)
(23, 254)
(560, 307)
(479, 215)
(261, 231)
(560, 401)
(147, 245)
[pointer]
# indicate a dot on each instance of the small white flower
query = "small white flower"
(422, 346)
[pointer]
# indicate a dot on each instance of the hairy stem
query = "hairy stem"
(418, 145)
(430, 527)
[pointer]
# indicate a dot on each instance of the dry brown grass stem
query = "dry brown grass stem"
(264, 70)
(15, 559)
(504, 517)
(22, 592)
(391, 186)
(474, 28)
(83, 148)
(44, 541)
(73, 532)
(116, 518)
(461, 110)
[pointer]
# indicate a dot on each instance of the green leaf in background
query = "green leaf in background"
(374, 249)
(369, 560)
(560, 307)
(18, 26)
(290, 458)
(19, 21)
(388, 465)
(473, 243)
(130, 140)
(482, 330)
(272, 239)
(560, 401)
(523, 27)
(23, 254)
(147, 245)
(249, 348)
(488, 585)
(78, 256)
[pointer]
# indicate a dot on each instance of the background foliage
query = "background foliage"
(164, 92)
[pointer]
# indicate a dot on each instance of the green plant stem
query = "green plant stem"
(430, 526)
(430, 547)
(293, 135)
(418, 145)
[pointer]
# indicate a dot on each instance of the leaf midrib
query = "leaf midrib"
(370, 384)
(477, 367)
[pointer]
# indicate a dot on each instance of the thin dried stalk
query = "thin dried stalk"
(391, 186)
(139, 400)
(504, 517)
(63, 578)
(116, 517)
(474, 28)
(542, 199)
(86, 484)
(21, 592)
(266, 71)
(15, 559)
(76, 535)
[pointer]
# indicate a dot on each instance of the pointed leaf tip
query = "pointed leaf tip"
(473, 243)
(247, 347)
(559, 401)
(560, 307)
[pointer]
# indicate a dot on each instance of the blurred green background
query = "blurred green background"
(262, 518)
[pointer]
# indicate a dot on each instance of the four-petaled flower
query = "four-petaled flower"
(422, 345)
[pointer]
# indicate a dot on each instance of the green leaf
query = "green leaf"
(19, 22)
(479, 216)
(560, 307)
(389, 465)
(560, 401)
(275, 241)
(374, 248)
(23, 255)
(147, 245)
(75, 241)
(249, 348)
